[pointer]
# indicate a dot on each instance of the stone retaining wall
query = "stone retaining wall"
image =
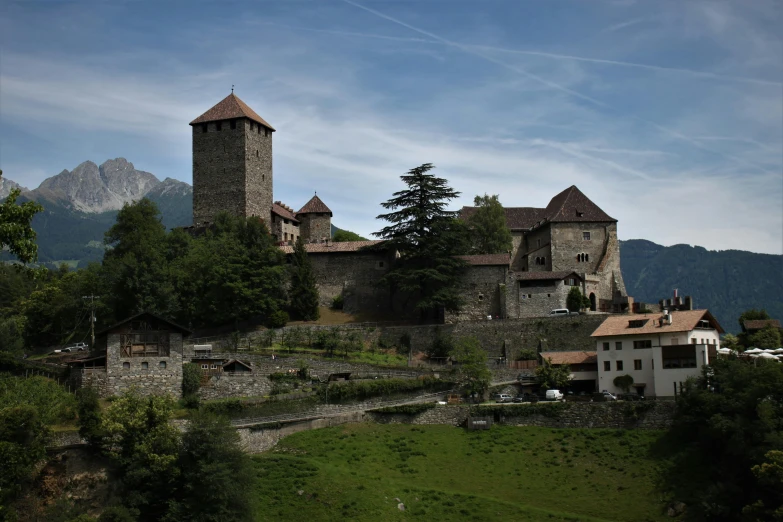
(257, 440)
(224, 386)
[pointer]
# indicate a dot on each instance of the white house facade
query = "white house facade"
(659, 351)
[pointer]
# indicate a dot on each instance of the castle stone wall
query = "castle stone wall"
(538, 300)
(258, 169)
(482, 291)
(153, 380)
(530, 249)
(315, 226)
(223, 386)
(352, 275)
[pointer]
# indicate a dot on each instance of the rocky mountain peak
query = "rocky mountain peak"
(93, 189)
(6, 185)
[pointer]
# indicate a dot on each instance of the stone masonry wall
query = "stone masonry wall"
(223, 386)
(481, 290)
(530, 249)
(153, 380)
(315, 226)
(232, 170)
(536, 301)
(352, 275)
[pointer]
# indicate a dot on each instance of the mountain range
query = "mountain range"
(80, 205)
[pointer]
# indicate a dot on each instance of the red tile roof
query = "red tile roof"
(759, 324)
(283, 212)
(682, 321)
(315, 206)
(331, 247)
(571, 357)
(544, 276)
(487, 259)
(569, 206)
(229, 108)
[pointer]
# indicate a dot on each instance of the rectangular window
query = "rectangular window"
(675, 341)
(642, 344)
(586, 236)
(618, 345)
(637, 364)
(619, 366)
(693, 340)
(204, 128)
(219, 126)
(607, 366)
(233, 124)
(606, 347)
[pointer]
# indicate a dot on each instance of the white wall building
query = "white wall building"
(660, 351)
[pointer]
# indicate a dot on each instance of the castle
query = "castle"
(570, 242)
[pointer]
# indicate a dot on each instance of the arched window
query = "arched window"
(543, 260)
(587, 257)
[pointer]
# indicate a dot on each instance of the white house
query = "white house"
(660, 350)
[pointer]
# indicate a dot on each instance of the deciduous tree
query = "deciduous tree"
(488, 230)
(550, 376)
(473, 371)
(16, 232)
(346, 235)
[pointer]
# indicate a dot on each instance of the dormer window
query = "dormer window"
(579, 214)
(637, 323)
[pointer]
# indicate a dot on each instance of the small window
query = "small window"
(252, 125)
(162, 365)
(693, 340)
(606, 347)
(266, 131)
(219, 126)
(145, 365)
(543, 260)
(481, 297)
(380, 264)
(637, 323)
(586, 236)
(549, 295)
(637, 364)
(642, 344)
(214, 367)
(579, 214)
(619, 366)
(618, 345)
(524, 296)
(256, 153)
(607, 366)
(587, 258)
(126, 366)
(233, 124)
(530, 296)
(204, 128)
(205, 367)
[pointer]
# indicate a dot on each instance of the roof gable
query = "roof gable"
(229, 108)
(517, 218)
(315, 206)
(572, 205)
(647, 324)
(174, 326)
(283, 212)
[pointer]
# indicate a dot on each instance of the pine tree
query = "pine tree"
(304, 294)
(489, 233)
(427, 237)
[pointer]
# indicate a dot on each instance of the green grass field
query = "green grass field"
(357, 471)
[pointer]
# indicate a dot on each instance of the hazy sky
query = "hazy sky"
(667, 114)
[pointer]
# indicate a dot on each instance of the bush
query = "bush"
(527, 354)
(359, 390)
(89, 411)
(191, 379)
(624, 382)
(337, 302)
(441, 346)
(116, 514)
(277, 319)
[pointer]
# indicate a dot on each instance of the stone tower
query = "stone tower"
(232, 162)
(315, 220)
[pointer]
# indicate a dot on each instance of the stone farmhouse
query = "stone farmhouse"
(570, 242)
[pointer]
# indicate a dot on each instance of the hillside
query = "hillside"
(727, 282)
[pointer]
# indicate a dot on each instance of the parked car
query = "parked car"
(526, 397)
(604, 396)
(562, 312)
(630, 397)
(77, 347)
(554, 395)
(504, 397)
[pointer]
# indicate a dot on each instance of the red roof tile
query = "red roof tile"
(315, 206)
(283, 212)
(229, 108)
(682, 321)
(517, 218)
(487, 259)
(331, 247)
(571, 357)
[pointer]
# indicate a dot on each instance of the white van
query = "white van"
(554, 395)
(562, 311)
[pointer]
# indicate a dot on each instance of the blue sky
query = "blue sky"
(668, 114)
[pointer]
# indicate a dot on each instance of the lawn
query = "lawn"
(358, 471)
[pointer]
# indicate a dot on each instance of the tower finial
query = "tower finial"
(232, 88)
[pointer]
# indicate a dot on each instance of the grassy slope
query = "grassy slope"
(444, 473)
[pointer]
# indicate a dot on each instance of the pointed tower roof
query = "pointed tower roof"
(229, 108)
(315, 205)
(572, 206)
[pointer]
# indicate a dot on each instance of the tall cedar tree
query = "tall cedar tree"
(15, 230)
(427, 236)
(488, 230)
(304, 294)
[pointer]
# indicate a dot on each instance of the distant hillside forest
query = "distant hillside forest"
(728, 282)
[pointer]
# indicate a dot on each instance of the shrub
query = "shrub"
(623, 382)
(528, 354)
(359, 390)
(89, 411)
(191, 379)
(278, 319)
(337, 302)
(441, 346)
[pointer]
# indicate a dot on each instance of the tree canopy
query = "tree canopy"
(549, 376)
(427, 236)
(304, 294)
(489, 233)
(346, 235)
(16, 233)
(472, 359)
